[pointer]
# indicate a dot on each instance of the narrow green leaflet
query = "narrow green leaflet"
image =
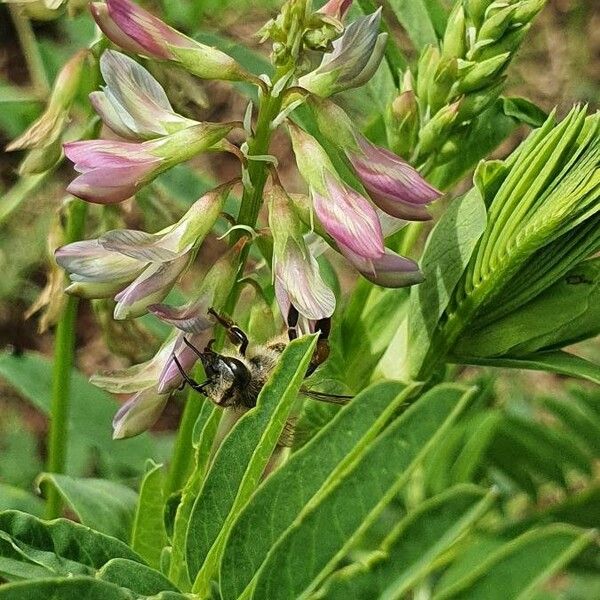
(445, 257)
(239, 463)
(91, 411)
(308, 472)
(413, 548)
(76, 588)
(322, 534)
(564, 313)
(135, 576)
(530, 560)
(416, 18)
(148, 536)
(558, 361)
(32, 548)
(104, 505)
(203, 437)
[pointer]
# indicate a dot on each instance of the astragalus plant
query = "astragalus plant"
(328, 447)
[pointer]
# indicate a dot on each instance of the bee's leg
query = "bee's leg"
(323, 326)
(198, 387)
(234, 333)
(292, 322)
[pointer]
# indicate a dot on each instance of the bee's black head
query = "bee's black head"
(227, 377)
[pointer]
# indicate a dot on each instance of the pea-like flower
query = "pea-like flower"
(348, 217)
(295, 269)
(133, 104)
(353, 61)
(136, 30)
(112, 171)
(139, 269)
(395, 187)
(152, 382)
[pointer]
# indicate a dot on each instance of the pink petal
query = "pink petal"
(349, 219)
(139, 413)
(170, 377)
(145, 29)
(112, 31)
(391, 270)
(391, 180)
(190, 318)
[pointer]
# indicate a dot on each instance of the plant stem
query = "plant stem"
(30, 49)
(64, 347)
(182, 453)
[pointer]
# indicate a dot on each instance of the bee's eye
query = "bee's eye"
(241, 375)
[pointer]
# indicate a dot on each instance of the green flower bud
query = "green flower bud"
(428, 63)
(475, 10)
(445, 76)
(454, 43)
(495, 26)
(404, 123)
(527, 10)
(437, 129)
(475, 75)
(507, 43)
(476, 102)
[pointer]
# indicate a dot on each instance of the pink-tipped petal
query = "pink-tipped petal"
(150, 287)
(395, 186)
(391, 270)
(299, 275)
(146, 30)
(336, 8)
(191, 318)
(112, 31)
(170, 377)
(349, 219)
(139, 413)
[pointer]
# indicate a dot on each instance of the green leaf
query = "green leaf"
(524, 111)
(517, 568)
(564, 313)
(75, 588)
(14, 498)
(558, 361)
(305, 475)
(445, 257)
(333, 522)
(148, 536)
(135, 576)
(416, 18)
(104, 505)
(90, 416)
(240, 462)
(413, 549)
(32, 548)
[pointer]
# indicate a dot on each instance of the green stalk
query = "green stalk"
(31, 52)
(252, 199)
(64, 348)
(181, 460)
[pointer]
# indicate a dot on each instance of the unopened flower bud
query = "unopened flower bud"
(455, 44)
(475, 75)
(441, 84)
(526, 10)
(44, 135)
(435, 131)
(475, 10)
(135, 29)
(355, 58)
(476, 102)
(495, 26)
(428, 63)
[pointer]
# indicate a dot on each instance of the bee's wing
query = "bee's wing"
(326, 397)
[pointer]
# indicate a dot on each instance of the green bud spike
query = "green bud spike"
(428, 63)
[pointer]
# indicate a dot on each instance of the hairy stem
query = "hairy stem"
(64, 348)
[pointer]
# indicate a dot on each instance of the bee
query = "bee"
(236, 381)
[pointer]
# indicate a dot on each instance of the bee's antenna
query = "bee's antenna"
(193, 348)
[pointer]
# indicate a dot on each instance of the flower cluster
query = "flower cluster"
(147, 137)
